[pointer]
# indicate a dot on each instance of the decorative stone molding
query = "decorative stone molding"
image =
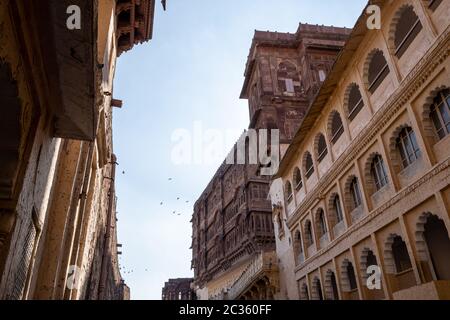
(394, 153)
(410, 85)
(421, 245)
(393, 25)
(347, 98)
(316, 288)
(389, 262)
(366, 67)
(328, 285)
(364, 264)
(345, 280)
(427, 123)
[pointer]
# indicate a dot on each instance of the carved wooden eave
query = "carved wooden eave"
(134, 23)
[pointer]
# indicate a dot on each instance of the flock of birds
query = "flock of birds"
(122, 268)
(178, 199)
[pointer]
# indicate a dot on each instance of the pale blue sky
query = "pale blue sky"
(191, 71)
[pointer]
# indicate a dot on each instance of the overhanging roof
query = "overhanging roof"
(328, 87)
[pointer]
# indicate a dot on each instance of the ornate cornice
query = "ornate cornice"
(410, 85)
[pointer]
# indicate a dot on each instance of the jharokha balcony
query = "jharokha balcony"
(133, 22)
(259, 281)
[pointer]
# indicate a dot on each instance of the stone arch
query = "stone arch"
(427, 124)
(347, 93)
(304, 295)
(364, 262)
(308, 233)
(330, 286)
(421, 245)
(297, 179)
(394, 23)
(394, 154)
(346, 277)
(332, 214)
(316, 290)
(366, 69)
(389, 259)
(433, 245)
(369, 180)
(305, 159)
(318, 140)
(319, 215)
(298, 247)
(331, 117)
(288, 192)
(348, 200)
(423, 252)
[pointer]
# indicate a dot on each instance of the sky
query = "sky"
(182, 114)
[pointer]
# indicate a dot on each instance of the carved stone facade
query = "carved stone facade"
(178, 289)
(375, 198)
(233, 239)
(57, 168)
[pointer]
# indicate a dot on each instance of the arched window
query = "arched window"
(355, 101)
(322, 150)
(298, 183)
(298, 248)
(321, 223)
(440, 113)
(355, 191)
(378, 70)
(337, 128)
(288, 191)
(288, 78)
(309, 165)
(378, 172)
(309, 233)
(438, 244)
(298, 241)
(406, 30)
(371, 259)
(407, 146)
(338, 209)
(351, 276)
(333, 294)
(401, 256)
(304, 295)
(317, 290)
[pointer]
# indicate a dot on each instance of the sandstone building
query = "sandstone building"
(233, 244)
(57, 167)
(178, 289)
(365, 181)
